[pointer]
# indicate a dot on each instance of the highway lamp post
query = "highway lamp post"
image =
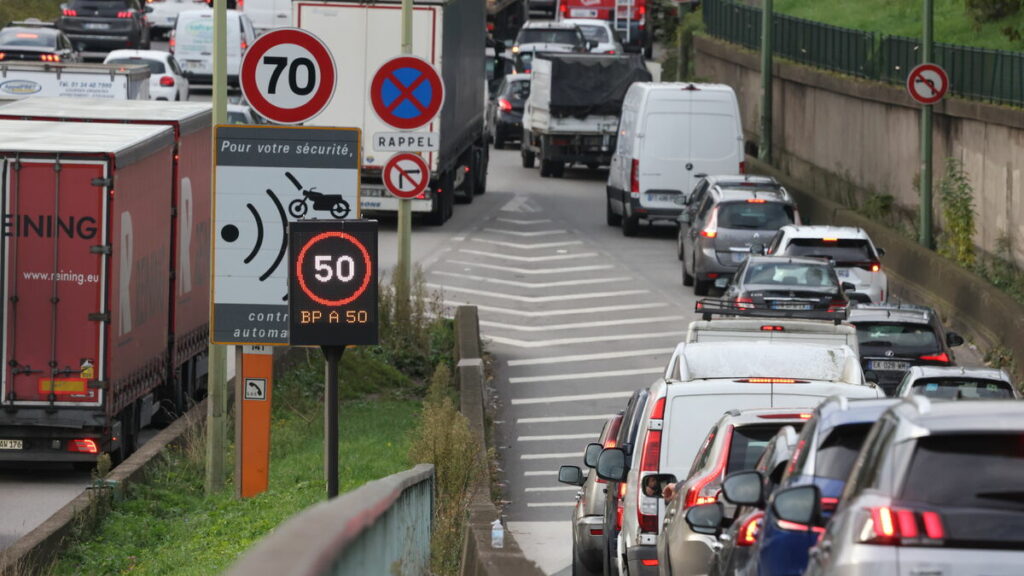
(925, 237)
(764, 149)
(404, 271)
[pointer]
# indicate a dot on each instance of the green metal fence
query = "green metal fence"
(976, 73)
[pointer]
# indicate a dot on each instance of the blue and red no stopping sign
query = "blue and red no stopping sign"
(407, 93)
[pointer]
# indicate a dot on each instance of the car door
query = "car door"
(697, 221)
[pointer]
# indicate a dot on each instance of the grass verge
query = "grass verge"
(45, 10)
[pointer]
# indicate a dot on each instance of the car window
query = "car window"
(549, 36)
(800, 452)
(703, 454)
(15, 37)
(791, 274)
(747, 446)
(595, 33)
(838, 452)
(977, 471)
(698, 193)
(963, 388)
(866, 467)
(155, 67)
(903, 339)
(844, 252)
(754, 215)
(175, 67)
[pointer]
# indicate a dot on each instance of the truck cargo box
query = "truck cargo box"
(111, 82)
(190, 244)
(85, 273)
(581, 85)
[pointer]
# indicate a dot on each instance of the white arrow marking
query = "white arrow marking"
(585, 340)
(526, 234)
(590, 357)
(549, 456)
(574, 398)
(556, 437)
(531, 258)
(534, 285)
(576, 325)
(513, 270)
(538, 299)
(514, 221)
(546, 313)
(541, 473)
(528, 246)
(551, 505)
(586, 375)
(552, 489)
(552, 419)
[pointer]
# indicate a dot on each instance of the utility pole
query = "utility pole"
(925, 237)
(217, 386)
(764, 148)
(404, 279)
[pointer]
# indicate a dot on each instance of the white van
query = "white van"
(669, 133)
(268, 14)
(192, 44)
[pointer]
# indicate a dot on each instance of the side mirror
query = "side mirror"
(654, 485)
(591, 44)
(705, 519)
(611, 465)
(848, 287)
(684, 217)
(953, 339)
(881, 251)
(800, 505)
(757, 248)
(744, 488)
(571, 475)
(592, 453)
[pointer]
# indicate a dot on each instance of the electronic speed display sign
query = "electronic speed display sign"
(332, 289)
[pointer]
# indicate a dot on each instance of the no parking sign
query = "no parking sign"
(407, 93)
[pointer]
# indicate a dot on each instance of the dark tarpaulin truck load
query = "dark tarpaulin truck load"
(573, 111)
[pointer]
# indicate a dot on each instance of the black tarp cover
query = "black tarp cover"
(585, 84)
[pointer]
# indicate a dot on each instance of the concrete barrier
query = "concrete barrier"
(478, 557)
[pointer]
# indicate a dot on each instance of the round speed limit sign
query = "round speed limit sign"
(288, 76)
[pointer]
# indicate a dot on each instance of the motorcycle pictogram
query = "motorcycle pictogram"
(332, 203)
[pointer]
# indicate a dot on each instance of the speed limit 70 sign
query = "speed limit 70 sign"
(332, 288)
(288, 76)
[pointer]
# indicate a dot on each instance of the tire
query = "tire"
(546, 169)
(528, 156)
(630, 225)
(485, 160)
(701, 287)
(436, 215)
(687, 279)
(297, 208)
(558, 169)
(340, 209)
(499, 138)
(129, 434)
(611, 218)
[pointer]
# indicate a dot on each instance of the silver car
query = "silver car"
(935, 490)
(957, 383)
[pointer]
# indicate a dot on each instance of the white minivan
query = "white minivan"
(268, 14)
(192, 44)
(669, 134)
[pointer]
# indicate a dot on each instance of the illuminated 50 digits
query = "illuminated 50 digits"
(344, 267)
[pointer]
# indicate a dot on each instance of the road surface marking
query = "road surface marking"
(576, 325)
(530, 258)
(587, 375)
(515, 221)
(531, 234)
(589, 357)
(583, 340)
(534, 285)
(519, 203)
(546, 313)
(539, 246)
(573, 398)
(550, 419)
(566, 270)
(552, 489)
(557, 437)
(551, 504)
(551, 456)
(537, 299)
(541, 473)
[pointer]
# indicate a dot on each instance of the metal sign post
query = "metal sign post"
(332, 303)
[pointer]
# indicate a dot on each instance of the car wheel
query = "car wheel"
(558, 169)
(630, 224)
(545, 168)
(528, 157)
(687, 279)
(701, 287)
(499, 138)
(612, 218)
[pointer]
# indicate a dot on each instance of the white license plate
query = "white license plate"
(374, 192)
(843, 272)
(790, 306)
(888, 365)
(582, 13)
(96, 26)
(11, 445)
(663, 197)
(193, 65)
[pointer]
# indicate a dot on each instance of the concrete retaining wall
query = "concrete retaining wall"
(847, 138)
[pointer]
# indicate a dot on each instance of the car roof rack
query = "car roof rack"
(32, 23)
(711, 307)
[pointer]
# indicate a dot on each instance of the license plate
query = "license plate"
(663, 197)
(97, 26)
(193, 64)
(10, 445)
(888, 365)
(582, 13)
(374, 192)
(842, 272)
(790, 306)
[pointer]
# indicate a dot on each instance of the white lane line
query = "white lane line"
(586, 375)
(573, 398)
(514, 270)
(515, 221)
(535, 285)
(539, 246)
(553, 456)
(589, 357)
(552, 489)
(518, 203)
(551, 419)
(585, 340)
(531, 234)
(577, 325)
(550, 504)
(556, 437)
(515, 258)
(537, 299)
(548, 313)
(541, 473)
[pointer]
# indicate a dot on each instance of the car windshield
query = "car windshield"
(902, 339)
(806, 275)
(548, 36)
(963, 388)
(754, 215)
(748, 444)
(155, 67)
(838, 451)
(25, 38)
(843, 252)
(595, 33)
(520, 89)
(977, 471)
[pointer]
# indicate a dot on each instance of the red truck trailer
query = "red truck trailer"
(629, 18)
(85, 272)
(190, 240)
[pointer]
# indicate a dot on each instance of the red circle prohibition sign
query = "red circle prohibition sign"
(324, 90)
(419, 179)
(387, 79)
(302, 279)
(918, 84)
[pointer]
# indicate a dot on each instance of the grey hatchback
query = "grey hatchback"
(725, 217)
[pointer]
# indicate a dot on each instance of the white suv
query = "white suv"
(854, 256)
(703, 381)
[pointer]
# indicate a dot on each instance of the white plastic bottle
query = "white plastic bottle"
(497, 534)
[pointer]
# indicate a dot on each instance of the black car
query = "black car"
(787, 283)
(104, 25)
(505, 110)
(35, 42)
(894, 337)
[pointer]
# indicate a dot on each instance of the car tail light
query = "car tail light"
(756, 200)
(876, 267)
(596, 532)
(650, 458)
(504, 105)
(171, 43)
(837, 305)
(83, 446)
(244, 45)
(563, 9)
(749, 530)
(800, 415)
(773, 328)
(69, 12)
(609, 52)
(649, 562)
(940, 357)
(125, 14)
(240, 5)
(634, 178)
(744, 303)
(619, 506)
(705, 489)
(795, 527)
(829, 504)
(166, 81)
(774, 381)
(830, 239)
(49, 57)
(743, 167)
(711, 230)
(3, 55)
(901, 527)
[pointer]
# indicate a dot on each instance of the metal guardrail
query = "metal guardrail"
(975, 73)
(382, 528)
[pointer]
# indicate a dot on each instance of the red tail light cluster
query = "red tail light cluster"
(901, 527)
(50, 57)
(837, 305)
(749, 530)
(650, 458)
(83, 446)
(126, 14)
(744, 303)
(69, 12)
(634, 178)
(711, 230)
(166, 81)
(705, 489)
(504, 105)
(940, 357)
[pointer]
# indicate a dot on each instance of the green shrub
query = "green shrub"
(414, 336)
(957, 196)
(990, 10)
(45, 10)
(678, 65)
